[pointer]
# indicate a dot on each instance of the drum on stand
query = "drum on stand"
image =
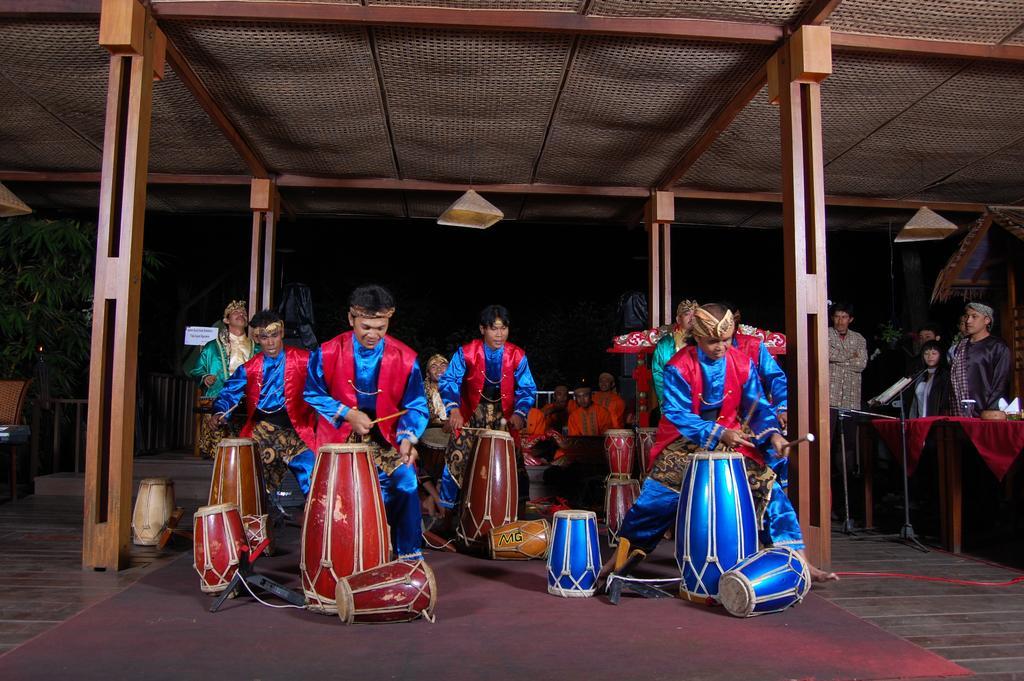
(218, 543)
(619, 497)
(238, 479)
(716, 526)
(521, 540)
(153, 507)
(395, 592)
(345, 528)
(769, 581)
(575, 556)
(491, 491)
(618, 448)
(431, 448)
(644, 442)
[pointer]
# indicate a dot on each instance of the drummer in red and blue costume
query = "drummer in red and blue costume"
(488, 384)
(707, 388)
(277, 418)
(364, 375)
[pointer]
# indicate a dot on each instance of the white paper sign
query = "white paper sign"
(199, 335)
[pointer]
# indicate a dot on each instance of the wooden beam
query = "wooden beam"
(110, 431)
(855, 42)
(476, 19)
(388, 184)
(195, 85)
(803, 182)
(722, 119)
(289, 180)
(817, 12)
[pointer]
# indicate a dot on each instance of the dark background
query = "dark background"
(561, 283)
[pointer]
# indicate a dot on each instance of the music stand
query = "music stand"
(906, 533)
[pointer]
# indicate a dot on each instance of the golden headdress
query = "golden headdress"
(356, 311)
(685, 306)
(707, 325)
(236, 306)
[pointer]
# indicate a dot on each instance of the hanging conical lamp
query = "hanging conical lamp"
(11, 205)
(471, 210)
(926, 225)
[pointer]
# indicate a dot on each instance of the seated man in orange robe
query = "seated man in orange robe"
(607, 397)
(588, 418)
(556, 412)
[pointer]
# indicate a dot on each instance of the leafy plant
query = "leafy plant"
(46, 275)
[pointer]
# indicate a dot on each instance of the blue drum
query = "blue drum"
(715, 524)
(575, 556)
(769, 581)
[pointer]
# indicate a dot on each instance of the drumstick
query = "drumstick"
(793, 443)
(388, 418)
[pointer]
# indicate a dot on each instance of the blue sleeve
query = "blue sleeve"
(232, 392)
(412, 423)
(678, 409)
(763, 421)
(451, 381)
(774, 378)
(316, 393)
(526, 388)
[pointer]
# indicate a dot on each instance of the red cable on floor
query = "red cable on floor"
(924, 578)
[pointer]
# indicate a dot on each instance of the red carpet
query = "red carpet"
(494, 621)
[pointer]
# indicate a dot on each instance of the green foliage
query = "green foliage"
(46, 275)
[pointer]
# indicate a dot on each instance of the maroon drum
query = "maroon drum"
(396, 592)
(218, 543)
(618, 499)
(491, 491)
(618, 448)
(238, 479)
(644, 441)
(345, 529)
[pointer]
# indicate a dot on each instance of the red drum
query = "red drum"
(618, 499)
(396, 592)
(491, 492)
(618, 447)
(238, 479)
(345, 529)
(218, 542)
(644, 441)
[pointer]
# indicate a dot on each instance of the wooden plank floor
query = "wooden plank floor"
(41, 567)
(978, 627)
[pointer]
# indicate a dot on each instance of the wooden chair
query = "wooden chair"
(12, 404)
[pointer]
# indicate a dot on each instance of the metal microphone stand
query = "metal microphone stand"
(906, 533)
(841, 416)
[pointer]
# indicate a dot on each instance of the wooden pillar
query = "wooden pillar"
(794, 76)
(265, 204)
(129, 35)
(658, 216)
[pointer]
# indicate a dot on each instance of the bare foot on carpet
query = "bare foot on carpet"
(819, 575)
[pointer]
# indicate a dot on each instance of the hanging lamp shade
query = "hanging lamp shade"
(470, 210)
(926, 225)
(11, 205)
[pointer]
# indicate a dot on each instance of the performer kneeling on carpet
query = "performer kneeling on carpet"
(278, 418)
(367, 387)
(706, 388)
(488, 385)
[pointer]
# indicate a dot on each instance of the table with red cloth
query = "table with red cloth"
(998, 443)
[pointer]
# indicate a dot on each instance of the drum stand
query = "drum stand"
(244, 579)
(619, 581)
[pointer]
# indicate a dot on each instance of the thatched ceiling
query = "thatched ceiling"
(393, 100)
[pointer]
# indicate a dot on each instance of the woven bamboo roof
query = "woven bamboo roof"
(576, 109)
